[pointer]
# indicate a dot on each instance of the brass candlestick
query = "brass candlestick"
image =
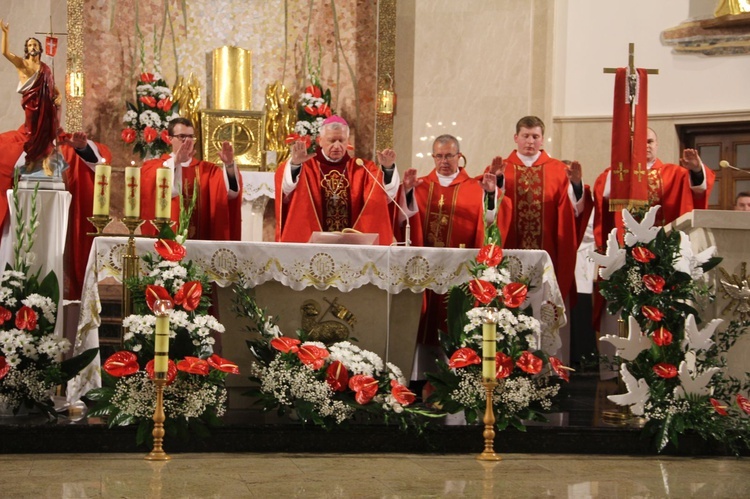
(160, 222)
(489, 426)
(157, 453)
(619, 415)
(130, 265)
(99, 222)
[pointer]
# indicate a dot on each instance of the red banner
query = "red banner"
(50, 46)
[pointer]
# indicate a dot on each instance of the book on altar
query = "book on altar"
(346, 236)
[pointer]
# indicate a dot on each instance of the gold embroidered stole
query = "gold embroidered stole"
(439, 217)
(529, 206)
(335, 189)
(656, 191)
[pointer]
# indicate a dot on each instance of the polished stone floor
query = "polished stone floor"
(370, 475)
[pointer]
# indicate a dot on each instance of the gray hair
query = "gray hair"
(334, 126)
(447, 139)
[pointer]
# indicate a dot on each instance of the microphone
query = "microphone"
(407, 234)
(725, 164)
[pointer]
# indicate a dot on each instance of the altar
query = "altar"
(379, 287)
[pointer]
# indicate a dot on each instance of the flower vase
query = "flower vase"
(6, 410)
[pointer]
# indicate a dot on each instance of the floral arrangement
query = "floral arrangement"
(30, 352)
(672, 368)
(524, 390)
(323, 384)
(146, 121)
(195, 396)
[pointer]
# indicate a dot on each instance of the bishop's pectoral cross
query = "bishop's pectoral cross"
(103, 182)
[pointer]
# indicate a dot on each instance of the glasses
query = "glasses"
(183, 136)
(446, 157)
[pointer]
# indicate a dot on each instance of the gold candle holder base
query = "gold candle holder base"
(159, 223)
(489, 426)
(99, 222)
(132, 223)
(157, 453)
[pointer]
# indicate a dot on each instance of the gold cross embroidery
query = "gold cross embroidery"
(639, 172)
(621, 171)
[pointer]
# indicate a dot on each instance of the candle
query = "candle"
(163, 193)
(161, 338)
(489, 344)
(132, 191)
(102, 176)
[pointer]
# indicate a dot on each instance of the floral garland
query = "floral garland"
(524, 391)
(30, 351)
(324, 384)
(146, 121)
(195, 395)
(673, 370)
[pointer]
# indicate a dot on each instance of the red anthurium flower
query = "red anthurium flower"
(26, 318)
(170, 250)
(721, 409)
(503, 365)
(514, 294)
(483, 291)
(652, 313)
(662, 337)
(154, 293)
(5, 314)
(189, 295)
(559, 368)
(642, 254)
(664, 370)
(149, 134)
(123, 363)
(164, 136)
(310, 355)
(401, 394)
(324, 110)
(464, 357)
(490, 254)
(741, 401)
(364, 388)
(171, 370)
(4, 367)
(223, 364)
(314, 90)
(311, 111)
(148, 100)
(164, 104)
(128, 135)
(285, 344)
(529, 363)
(337, 376)
(193, 365)
(654, 283)
(147, 78)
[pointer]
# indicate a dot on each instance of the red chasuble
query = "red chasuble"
(79, 179)
(308, 208)
(215, 217)
(543, 216)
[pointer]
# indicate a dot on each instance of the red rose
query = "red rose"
(664, 370)
(4, 367)
(662, 337)
(171, 370)
(164, 136)
(642, 254)
(721, 409)
(170, 250)
(189, 295)
(529, 363)
(123, 363)
(401, 394)
(654, 283)
(148, 100)
(285, 344)
(464, 357)
(483, 291)
(490, 255)
(364, 388)
(128, 135)
(147, 78)
(193, 365)
(26, 318)
(652, 313)
(164, 104)
(514, 294)
(337, 376)
(743, 403)
(149, 134)
(503, 365)
(223, 365)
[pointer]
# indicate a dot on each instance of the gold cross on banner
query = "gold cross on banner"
(639, 171)
(621, 171)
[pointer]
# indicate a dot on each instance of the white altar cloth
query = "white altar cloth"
(318, 266)
(257, 191)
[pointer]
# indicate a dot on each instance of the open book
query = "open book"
(346, 236)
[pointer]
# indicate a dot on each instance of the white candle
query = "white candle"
(163, 193)
(161, 336)
(132, 191)
(102, 176)
(489, 345)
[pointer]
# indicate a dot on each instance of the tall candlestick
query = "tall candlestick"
(163, 193)
(161, 339)
(489, 345)
(132, 192)
(102, 176)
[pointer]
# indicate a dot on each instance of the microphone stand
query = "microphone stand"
(723, 164)
(407, 231)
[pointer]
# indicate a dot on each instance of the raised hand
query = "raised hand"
(497, 167)
(489, 182)
(299, 153)
(386, 157)
(690, 160)
(185, 152)
(410, 179)
(575, 173)
(227, 153)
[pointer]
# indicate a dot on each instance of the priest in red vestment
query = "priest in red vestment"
(678, 189)
(329, 191)
(217, 213)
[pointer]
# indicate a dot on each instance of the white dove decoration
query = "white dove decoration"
(638, 392)
(699, 339)
(688, 261)
(694, 386)
(629, 348)
(643, 232)
(613, 260)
